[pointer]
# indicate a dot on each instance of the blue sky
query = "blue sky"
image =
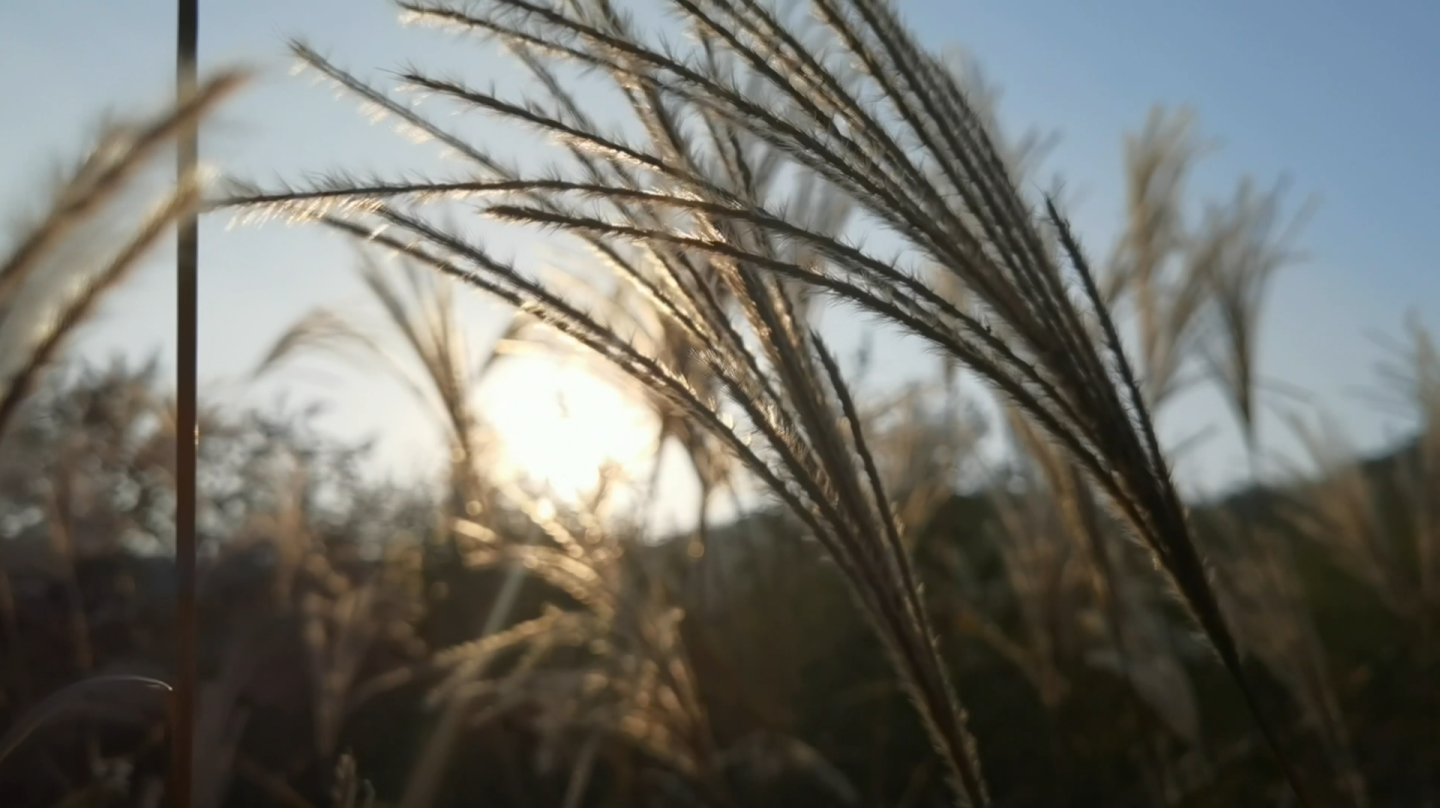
(1341, 96)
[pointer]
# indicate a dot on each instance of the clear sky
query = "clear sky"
(1340, 95)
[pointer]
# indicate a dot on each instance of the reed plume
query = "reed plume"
(851, 112)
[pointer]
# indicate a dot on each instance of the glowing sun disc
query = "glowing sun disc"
(558, 424)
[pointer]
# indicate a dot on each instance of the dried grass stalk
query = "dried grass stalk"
(737, 132)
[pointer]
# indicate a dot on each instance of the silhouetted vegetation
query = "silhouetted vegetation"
(467, 641)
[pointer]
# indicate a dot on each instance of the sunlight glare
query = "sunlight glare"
(558, 424)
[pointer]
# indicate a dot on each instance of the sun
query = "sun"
(559, 424)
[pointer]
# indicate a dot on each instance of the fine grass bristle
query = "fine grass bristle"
(68, 297)
(700, 203)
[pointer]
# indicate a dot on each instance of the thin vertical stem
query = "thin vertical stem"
(186, 432)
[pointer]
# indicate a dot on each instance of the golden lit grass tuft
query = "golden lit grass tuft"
(759, 151)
